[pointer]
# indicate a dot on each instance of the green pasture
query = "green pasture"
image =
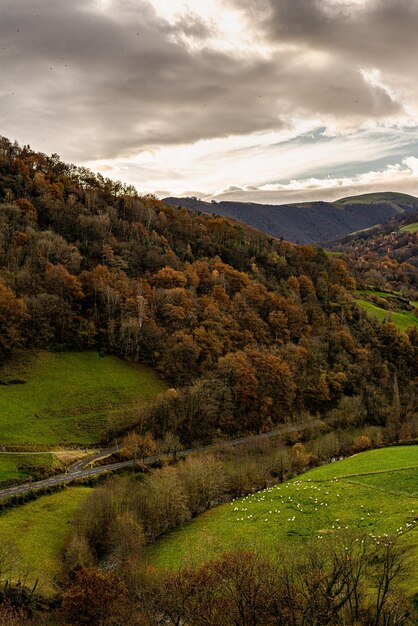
(374, 492)
(35, 534)
(403, 320)
(333, 253)
(370, 198)
(371, 462)
(14, 467)
(409, 228)
(378, 293)
(70, 397)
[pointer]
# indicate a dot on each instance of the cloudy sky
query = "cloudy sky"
(256, 100)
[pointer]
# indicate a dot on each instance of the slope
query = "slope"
(248, 331)
(374, 492)
(309, 222)
(384, 257)
(71, 397)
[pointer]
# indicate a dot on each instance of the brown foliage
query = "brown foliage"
(137, 447)
(324, 585)
(262, 330)
(98, 598)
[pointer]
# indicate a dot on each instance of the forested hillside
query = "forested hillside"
(386, 254)
(309, 222)
(248, 331)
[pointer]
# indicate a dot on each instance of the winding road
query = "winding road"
(80, 471)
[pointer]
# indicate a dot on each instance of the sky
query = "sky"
(253, 100)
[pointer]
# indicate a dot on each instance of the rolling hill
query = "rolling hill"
(310, 222)
(102, 291)
(384, 257)
(70, 397)
(88, 265)
(372, 493)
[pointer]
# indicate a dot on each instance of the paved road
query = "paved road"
(81, 464)
(78, 470)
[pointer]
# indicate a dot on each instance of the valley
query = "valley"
(208, 313)
(340, 498)
(309, 222)
(374, 493)
(157, 363)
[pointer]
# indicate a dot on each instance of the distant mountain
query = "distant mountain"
(310, 222)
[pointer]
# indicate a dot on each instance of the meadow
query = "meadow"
(35, 533)
(378, 293)
(402, 320)
(409, 228)
(70, 397)
(19, 467)
(375, 493)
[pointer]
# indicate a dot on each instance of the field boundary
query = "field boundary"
(393, 493)
(374, 472)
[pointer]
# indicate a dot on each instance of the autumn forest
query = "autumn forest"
(229, 317)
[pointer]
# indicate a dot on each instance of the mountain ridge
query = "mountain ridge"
(309, 222)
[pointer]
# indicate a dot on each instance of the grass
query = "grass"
(402, 320)
(409, 228)
(374, 492)
(16, 467)
(370, 198)
(378, 293)
(386, 459)
(402, 481)
(37, 532)
(71, 397)
(333, 253)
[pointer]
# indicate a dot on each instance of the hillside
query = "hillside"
(71, 397)
(375, 492)
(388, 309)
(248, 332)
(104, 291)
(36, 533)
(400, 202)
(310, 222)
(385, 256)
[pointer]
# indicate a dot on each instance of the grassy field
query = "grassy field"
(332, 253)
(371, 462)
(370, 198)
(36, 533)
(378, 293)
(402, 320)
(409, 228)
(70, 397)
(374, 492)
(15, 467)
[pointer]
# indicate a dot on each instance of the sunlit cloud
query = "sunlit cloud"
(264, 161)
(402, 176)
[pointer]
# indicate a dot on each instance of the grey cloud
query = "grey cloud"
(371, 35)
(377, 33)
(119, 84)
(192, 26)
(94, 84)
(326, 89)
